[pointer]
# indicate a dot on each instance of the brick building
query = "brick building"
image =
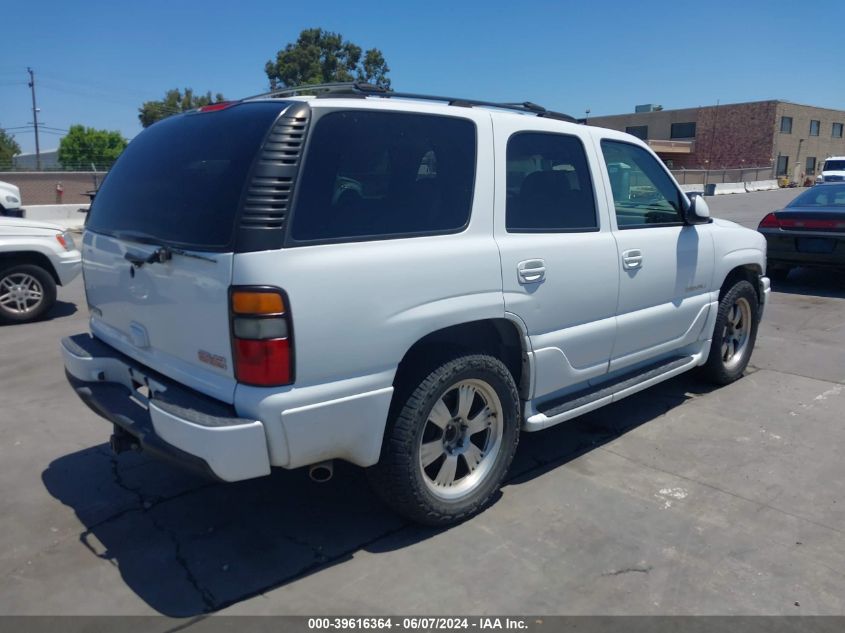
(789, 138)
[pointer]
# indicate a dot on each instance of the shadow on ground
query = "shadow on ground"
(813, 282)
(60, 309)
(187, 546)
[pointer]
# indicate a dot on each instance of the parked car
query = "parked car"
(34, 258)
(833, 170)
(809, 231)
(402, 282)
(10, 200)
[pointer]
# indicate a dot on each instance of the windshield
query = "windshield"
(180, 181)
(834, 165)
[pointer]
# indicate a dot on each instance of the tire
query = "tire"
(779, 273)
(434, 469)
(27, 292)
(734, 334)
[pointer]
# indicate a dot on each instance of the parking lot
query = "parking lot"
(679, 500)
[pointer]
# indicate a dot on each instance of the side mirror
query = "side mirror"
(697, 211)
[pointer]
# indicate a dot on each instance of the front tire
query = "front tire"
(734, 335)
(448, 449)
(27, 292)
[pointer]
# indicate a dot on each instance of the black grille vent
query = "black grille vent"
(270, 189)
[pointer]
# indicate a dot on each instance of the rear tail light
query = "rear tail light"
(262, 344)
(769, 222)
(811, 224)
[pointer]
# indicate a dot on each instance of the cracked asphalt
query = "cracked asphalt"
(680, 500)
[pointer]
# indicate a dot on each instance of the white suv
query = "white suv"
(34, 258)
(400, 282)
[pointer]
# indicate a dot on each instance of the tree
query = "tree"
(8, 148)
(320, 56)
(174, 102)
(85, 145)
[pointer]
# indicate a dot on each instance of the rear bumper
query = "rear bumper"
(783, 250)
(169, 420)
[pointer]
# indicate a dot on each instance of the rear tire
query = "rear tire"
(448, 449)
(734, 335)
(27, 292)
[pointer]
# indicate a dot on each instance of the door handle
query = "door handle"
(531, 271)
(632, 258)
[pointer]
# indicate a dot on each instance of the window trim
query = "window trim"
(595, 229)
(672, 127)
(637, 127)
(833, 128)
(681, 195)
(783, 118)
(317, 116)
(818, 127)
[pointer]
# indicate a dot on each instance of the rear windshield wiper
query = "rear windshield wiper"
(158, 256)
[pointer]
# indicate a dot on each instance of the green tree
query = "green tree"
(8, 148)
(85, 145)
(320, 56)
(174, 102)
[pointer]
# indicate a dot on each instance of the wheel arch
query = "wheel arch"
(34, 258)
(749, 272)
(502, 338)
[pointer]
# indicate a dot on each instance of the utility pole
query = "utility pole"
(35, 119)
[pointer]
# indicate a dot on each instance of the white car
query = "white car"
(833, 170)
(34, 258)
(10, 200)
(405, 283)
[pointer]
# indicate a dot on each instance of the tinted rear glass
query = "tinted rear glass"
(821, 196)
(180, 181)
(373, 175)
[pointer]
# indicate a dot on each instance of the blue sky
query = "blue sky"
(97, 61)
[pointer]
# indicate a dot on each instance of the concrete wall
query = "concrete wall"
(40, 187)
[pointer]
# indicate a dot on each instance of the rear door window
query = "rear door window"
(180, 181)
(548, 185)
(376, 175)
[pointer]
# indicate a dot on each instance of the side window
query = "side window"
(377, 175)
(643, 193)
(548, 185)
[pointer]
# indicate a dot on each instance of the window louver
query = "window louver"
(270, 189)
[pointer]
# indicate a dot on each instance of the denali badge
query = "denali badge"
(211, 359)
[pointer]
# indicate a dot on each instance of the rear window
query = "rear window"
(834, 165)
(377, 175)
(180, 181)
(821, 196)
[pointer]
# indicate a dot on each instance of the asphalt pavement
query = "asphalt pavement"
(682, 499)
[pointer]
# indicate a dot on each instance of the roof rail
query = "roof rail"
(362, 89)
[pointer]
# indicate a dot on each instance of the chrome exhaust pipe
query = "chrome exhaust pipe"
(321, 472)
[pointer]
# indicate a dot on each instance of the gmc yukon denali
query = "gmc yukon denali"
(406, 283)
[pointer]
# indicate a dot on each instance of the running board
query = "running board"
(575, 404)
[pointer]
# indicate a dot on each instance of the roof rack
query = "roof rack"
(361, 89)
